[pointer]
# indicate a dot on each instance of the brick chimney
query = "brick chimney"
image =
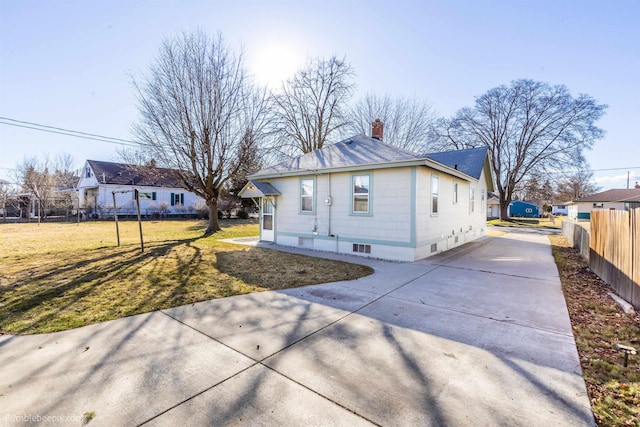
(152, 163)
(376, 129)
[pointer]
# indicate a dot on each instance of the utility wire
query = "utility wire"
(68, 132)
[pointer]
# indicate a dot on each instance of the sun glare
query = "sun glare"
(275, 63)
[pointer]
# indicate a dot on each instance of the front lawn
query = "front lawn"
(61, 276)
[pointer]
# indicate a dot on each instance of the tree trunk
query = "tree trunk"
(504, 207)
(504, 212)
(213, 225)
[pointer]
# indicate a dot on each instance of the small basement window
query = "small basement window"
(434, 247)
(360, 248)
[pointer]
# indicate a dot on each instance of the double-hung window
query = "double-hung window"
(307, 195)
(455, 193)
(177, 199)
(472, 200)
(361, 197)
(435, 182)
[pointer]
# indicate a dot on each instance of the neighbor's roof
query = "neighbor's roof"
(125, 174)
(470, 161)
(616, 195)
(355, 151)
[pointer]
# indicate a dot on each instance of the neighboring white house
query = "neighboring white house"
(623, 199)
(160, 191)
(493, 206)
(361, 196)
(560, 209)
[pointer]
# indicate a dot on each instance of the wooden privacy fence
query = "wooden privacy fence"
(615, 251)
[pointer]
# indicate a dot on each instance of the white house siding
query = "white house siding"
(101, 198)
(398, 228)
(334, 228)
(126, 203)
(454, 223)
(581, 211)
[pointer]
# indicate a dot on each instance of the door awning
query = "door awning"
(258, 189)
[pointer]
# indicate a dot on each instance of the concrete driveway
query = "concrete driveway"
(475, 336)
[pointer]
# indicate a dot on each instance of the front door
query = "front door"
(267, 220)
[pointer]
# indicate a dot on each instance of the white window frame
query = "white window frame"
(435, 190)
(455, 193)
(369, 178)
(311, 196)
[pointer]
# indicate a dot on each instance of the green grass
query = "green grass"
(61, 276)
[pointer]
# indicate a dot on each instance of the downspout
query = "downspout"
(329, 205)
(329, 202)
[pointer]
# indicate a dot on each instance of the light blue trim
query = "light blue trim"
(350, 239)
(275, 227)
(351, 212)
(313, 196)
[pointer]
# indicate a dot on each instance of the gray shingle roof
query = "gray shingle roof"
(469, 162)
(357, 150)
(125, 174)
(615, 195)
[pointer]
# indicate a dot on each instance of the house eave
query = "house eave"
(356, 168)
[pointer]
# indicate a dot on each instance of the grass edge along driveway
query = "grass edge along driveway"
(56, 276)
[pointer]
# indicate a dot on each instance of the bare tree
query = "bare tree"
(535, 189)
(37, 179)
(134, 156)
(575, 186)
(531, 129)
(65, 180)
(197, 106)
(5, 194)
(311, 105)
(407, 122)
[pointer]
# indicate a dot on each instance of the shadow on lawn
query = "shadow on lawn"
(47, 295)
(273, 270)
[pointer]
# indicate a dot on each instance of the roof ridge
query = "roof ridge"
(455, 151)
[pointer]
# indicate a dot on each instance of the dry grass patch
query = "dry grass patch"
(598, 324)
(527, 223)
(61, 276)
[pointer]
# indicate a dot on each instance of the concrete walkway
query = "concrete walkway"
(475, 336)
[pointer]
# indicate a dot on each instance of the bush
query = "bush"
(242, 214)
(219, 214)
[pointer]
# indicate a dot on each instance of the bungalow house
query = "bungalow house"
(160, 191)
(624, 199)
(361, 196)
(520, 209)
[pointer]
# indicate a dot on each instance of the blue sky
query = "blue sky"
(68, 63)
